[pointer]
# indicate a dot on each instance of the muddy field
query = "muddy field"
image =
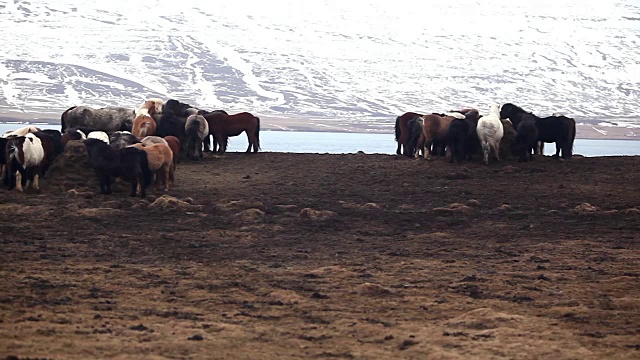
(276, 256)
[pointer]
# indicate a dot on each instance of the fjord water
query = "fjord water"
(370, 143)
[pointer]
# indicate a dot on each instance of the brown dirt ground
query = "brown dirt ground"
(276, 256)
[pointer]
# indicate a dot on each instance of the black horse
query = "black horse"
(552, 129)
(526, 139)
(129, 163)
(463, 137)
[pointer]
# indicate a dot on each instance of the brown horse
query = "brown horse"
(221, 126)
(174, 144)
(402, 132)
(435, 130)
(143, 125)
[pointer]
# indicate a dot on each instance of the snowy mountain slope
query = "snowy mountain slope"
(354, 61)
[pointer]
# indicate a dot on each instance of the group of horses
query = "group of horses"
(132, 144)
(463, 133)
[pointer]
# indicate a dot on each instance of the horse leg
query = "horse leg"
(167, 177)
(426, 148)
(398, 149)
(19, 181)
(485, 152)
(249, 140)
(134, 186)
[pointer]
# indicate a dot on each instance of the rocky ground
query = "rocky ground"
(275, 256)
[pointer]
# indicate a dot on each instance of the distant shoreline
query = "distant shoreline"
(585, 130)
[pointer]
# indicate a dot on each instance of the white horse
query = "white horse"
(25, 155)
(490, 131)
(100, 135)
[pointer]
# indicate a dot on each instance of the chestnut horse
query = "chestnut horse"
(402, 133)
(143, 125)
(435, 130)
(221, 126)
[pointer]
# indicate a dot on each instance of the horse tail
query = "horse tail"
(192, 135)
(572, 135)
(147, 175)
(13, 165)
(397, 128)
(63, 118)
(258, 131)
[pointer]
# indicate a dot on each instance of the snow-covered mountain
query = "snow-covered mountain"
(358, 61)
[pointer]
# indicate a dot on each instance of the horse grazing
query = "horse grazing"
(100, 135)
(24, 158)
(221, 126)
(210, 144)
(174, 144)
(160, 159)
(526, 138)
(490, 132)
(129, 163)
(463, 136)
(552, 129)
(143, 125)
(122, 139)
(435, 131)
(196, 129)
(108, 119)
(402, 133)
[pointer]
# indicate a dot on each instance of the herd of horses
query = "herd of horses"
(466, 132)
(141, 144)
(136, 145)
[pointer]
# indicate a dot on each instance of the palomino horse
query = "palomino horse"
(25, 157)
(558, 129)
(160, 158)
(129, 163)
(490, 131)
(402, 133)
(197, 129)
(435, 131)
(221, 126)
(107, 119)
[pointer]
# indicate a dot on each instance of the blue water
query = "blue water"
(345, 143)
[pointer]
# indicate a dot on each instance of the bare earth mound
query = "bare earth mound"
(272, 256)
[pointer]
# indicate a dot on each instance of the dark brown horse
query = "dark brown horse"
(558, 129)
(402, 133)
(221, 126)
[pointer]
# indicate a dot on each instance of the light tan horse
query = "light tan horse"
(160, 158)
